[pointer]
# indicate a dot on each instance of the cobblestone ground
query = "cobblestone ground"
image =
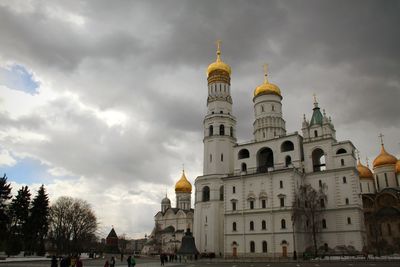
(155, 262)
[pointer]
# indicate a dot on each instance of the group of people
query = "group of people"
(111, 263)
(67, 262)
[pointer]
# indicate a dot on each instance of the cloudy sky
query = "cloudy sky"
(104, 100)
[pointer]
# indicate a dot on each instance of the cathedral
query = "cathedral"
(171, 223)
(244, 201)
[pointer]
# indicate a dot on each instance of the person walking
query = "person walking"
(112, 262)
(54, 262)
(128, 260)
(133, 261)
(79, 262)
(106, 264)
(162, 259)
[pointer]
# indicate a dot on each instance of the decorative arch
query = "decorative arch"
(206, 194)
(341, 151)
(221, 129)
(287, 146)
(243, 154)
(265, 159)
(318, 159)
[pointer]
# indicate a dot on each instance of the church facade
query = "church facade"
(171, 223)
(244, 199)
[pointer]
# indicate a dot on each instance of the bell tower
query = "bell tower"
(219, 141)
(219, 123)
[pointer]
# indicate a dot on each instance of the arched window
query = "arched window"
(231, 132)
(342, 162)
(206, 194)
(315, 133)
(251, 226)
(318, 158)
(348, 220)
(283, 224)
(222, 157)
(211, 130)
(221, 193)
(262, 108)
(341, 151)
(252, 247)
(288, 161)
(264, 247)
(344, 180)
(221, 112)
(234, 226)
(221, 129)
(244, 167)
(243, 154)
(263, 225)
(287, 146)
(323, 223)
(265, 159)
(347, 201)
(273, 108)
(320, 183)
(281, 184)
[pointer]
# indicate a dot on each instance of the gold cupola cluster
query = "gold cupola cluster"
(398, 167)
(183, 185)
(218, 65)
(384, 158)
(363, 171)
(266, 87)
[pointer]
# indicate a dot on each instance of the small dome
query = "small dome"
(266, 87)
(183, 185)
(166, 201)
(384, 158)
(218, 64)
(398, 167)
(364, 172)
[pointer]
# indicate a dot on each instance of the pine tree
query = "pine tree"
(19, 213)
(5, 196)
(38, 221)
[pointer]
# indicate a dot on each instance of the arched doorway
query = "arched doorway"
(265, 159)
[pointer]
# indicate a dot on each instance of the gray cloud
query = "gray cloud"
(148, 59)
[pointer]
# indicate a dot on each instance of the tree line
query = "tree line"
(31, 225)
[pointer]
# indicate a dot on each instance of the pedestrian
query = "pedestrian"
(106, 264)
(162, 259)
(133, 261)
(112, 262)
(128, 260)
(63, 262)
(79, 262)
(54, 262)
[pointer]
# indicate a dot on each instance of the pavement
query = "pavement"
(211, 263)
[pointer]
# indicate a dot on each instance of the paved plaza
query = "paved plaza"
(154, 263)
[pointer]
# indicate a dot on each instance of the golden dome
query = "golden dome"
(398, 167)
(266, 87)
(384, 158)
(218, 64)
(183, 185)
(363, 171)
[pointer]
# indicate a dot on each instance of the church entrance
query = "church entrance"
(234, 252)
(284, 251)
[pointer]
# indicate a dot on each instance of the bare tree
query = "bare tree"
(72, 224)
(308, 207)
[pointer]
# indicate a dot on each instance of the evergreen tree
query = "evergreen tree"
(19, 213)
(38, 221)
(5, 196)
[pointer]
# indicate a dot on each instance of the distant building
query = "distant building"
(171, 223)
(112, 242)
(380, 191)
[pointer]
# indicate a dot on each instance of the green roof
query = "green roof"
(316, 117)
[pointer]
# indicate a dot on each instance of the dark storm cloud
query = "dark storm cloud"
(147, 59)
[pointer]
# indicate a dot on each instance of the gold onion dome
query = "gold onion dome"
(398, 167)
(183, 185)
(267, 87)
(218, 64)
(384, 158)
(363, 171)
